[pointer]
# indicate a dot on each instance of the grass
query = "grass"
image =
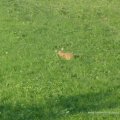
(37, 85)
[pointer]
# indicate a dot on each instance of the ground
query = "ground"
(35, 84)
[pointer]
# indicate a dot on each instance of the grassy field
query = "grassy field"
(35, 84)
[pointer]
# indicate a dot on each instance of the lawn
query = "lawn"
(35, 84)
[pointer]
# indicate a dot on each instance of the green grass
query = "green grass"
(35, 84)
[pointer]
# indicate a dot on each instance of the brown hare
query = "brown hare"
(66, 55)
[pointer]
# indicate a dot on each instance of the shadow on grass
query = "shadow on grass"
(56, 108)
(30, 112)
(90, 102)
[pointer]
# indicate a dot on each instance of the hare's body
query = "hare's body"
(66, 56)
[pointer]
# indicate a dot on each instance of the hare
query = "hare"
(66, 55)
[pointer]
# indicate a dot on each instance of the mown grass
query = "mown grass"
(35, 84)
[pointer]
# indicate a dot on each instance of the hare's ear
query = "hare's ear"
(62, 49)
(56, 51)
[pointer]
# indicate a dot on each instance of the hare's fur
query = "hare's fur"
(65, 55)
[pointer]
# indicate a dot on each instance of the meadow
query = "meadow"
(35, 84)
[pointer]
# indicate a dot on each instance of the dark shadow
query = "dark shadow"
(91, 102)
(58, 107)
(30, 112)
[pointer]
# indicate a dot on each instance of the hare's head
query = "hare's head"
(59, 51)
